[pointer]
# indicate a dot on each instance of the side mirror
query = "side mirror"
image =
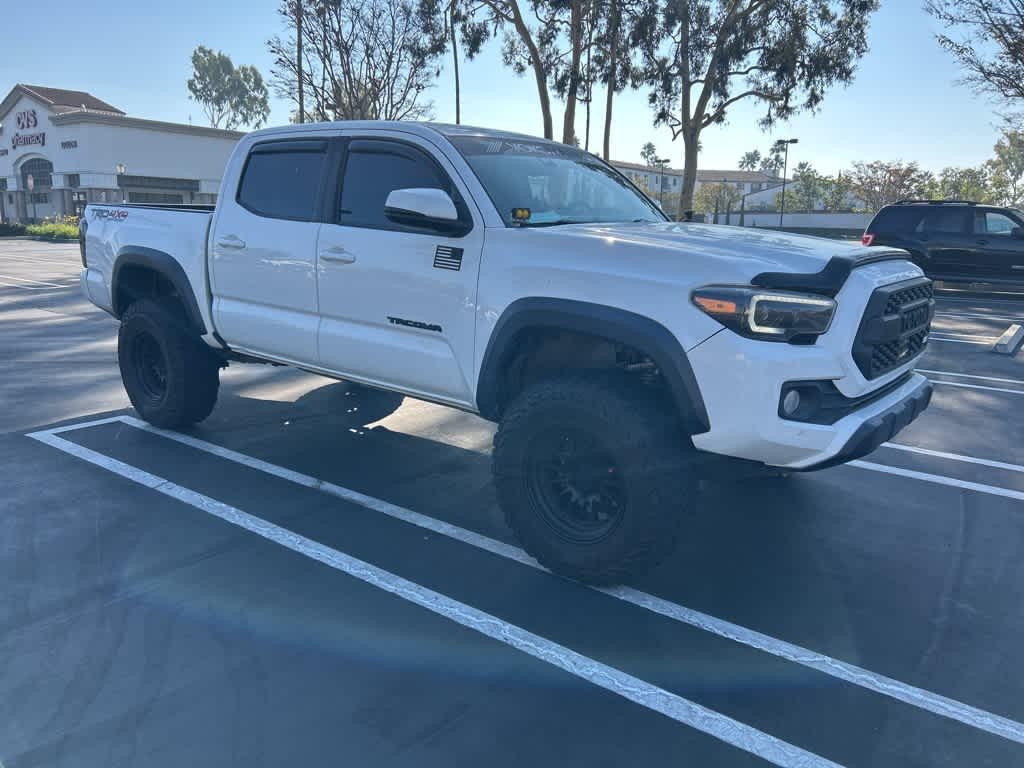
(1017, 233)
(422, 207)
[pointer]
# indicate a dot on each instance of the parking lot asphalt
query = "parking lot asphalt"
(319, 575)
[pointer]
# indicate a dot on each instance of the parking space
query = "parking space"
(319, 573)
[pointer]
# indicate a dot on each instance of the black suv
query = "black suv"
(954, 240)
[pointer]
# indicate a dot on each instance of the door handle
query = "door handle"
(982, 241)
(231, 241)
(338, 255)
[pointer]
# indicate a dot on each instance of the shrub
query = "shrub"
(63, 228)
(8, 230)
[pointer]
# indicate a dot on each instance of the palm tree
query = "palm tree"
(750, 161)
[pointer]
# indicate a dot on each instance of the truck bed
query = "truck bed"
(174, 233)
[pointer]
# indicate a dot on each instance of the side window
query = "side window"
(281, 180)
(993, 223)
(945, 220)
(373, 169)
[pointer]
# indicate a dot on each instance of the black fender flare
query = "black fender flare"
(167, 267)
(616, 325)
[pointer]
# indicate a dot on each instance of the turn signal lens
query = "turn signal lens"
(715, 306)
(768, 315)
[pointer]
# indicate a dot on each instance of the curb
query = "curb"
(1010, 341)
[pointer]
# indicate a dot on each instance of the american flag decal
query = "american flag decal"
(446, 257)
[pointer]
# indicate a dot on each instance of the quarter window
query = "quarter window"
(283, 182)
(374, 169)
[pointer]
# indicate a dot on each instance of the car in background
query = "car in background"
(954, 240)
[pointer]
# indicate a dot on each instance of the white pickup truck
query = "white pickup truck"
(531, 283)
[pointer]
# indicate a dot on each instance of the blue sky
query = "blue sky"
(904, 104)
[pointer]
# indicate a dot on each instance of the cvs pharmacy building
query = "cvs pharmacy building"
(61, 149)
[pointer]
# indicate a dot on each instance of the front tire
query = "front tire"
(170, 376)
(594, 477)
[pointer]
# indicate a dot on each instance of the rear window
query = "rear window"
(904, 219)
(895, 220)
(283, 183)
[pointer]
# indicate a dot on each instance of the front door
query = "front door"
(263, 252)
(398, 303)
(1000, 254)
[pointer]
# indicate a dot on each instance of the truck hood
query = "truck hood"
(740, 251)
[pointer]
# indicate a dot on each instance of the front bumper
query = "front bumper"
(882, 426)
(741, 382)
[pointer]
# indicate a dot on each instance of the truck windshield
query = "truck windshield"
(549, 184)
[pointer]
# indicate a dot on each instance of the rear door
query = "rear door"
(945, 231)
(263, 251)
(1000, 254)
(398, 303)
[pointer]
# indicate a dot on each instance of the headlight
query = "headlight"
(764, 314)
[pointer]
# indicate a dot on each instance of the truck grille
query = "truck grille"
(895, 327)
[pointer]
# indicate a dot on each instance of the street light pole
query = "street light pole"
(784, 144)
(662, 162)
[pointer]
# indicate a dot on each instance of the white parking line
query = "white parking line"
(970, 316)
(955, 457)
(30, 280)
(993, 490)
(933, 337)
(610, 678)
(24, 287)
(977, 386)
(952, 335)
(971, 376)
(887, 686)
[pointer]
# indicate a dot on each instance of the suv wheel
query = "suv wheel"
(593, 476)
(170, 376)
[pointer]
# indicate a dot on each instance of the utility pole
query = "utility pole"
(298, 58)
(662, 162)
(784, 145)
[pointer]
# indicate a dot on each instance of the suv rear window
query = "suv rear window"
(904, 219)
(283, 181)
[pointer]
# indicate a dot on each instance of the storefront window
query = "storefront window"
(40, 170)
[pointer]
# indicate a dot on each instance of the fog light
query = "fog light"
(791, 402)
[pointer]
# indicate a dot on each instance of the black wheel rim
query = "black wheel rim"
(150, 367)
(575, 485)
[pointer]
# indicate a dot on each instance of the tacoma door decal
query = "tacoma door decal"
(446, 257)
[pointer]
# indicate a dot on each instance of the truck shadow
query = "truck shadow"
(750, 549)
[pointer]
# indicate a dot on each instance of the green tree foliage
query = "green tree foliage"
(879, 183)
(716, 196)
(987, 38)
(807, 189)
(649, 154)
(750, 161)
(836, 192)
(703, 56)
(230, 96)
(1006, 169)
(963, 184)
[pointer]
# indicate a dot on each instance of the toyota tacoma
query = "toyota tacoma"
(531, 283)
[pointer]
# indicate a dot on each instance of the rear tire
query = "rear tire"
(171, 377)
(594, 477)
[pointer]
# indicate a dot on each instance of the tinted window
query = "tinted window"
(898, 219)
(945, 219)
(993, 223)
(374, 169)
(282, 184)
